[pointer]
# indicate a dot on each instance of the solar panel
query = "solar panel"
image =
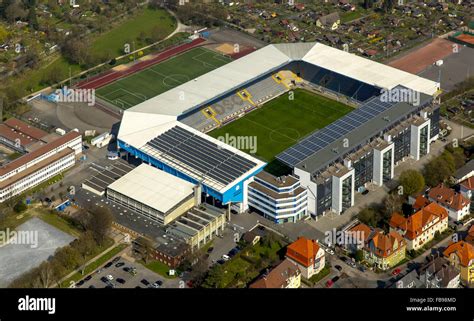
(319, 139)
(200, 155)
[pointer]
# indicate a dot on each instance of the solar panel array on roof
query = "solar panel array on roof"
(322, 138)
(201, 155)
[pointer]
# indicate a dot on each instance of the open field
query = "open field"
(158, 22)
(281, 122)
(132, 90)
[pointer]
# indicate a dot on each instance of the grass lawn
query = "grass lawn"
(57, 221)
(158, 267)
(130, 30)
(246, 266)
(97, 263)
(113, 40)
(136, 88)
(281, 122)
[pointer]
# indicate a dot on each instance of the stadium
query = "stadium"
(315, 109)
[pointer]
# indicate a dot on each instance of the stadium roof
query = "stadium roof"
(196, 154)
(237, 73)
(154, 188)
(326, 145)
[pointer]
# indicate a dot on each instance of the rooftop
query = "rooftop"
(153, 187)
(303, 251)
(277, 277)
(448, 197)
(463, 250)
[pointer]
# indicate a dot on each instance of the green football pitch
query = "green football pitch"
(282, 122)
(134, 89)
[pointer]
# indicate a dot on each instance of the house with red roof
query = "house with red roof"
(307, 255)
(285, 275)
(456, 204)
(421, 227)
(385, 250)
(461, 256)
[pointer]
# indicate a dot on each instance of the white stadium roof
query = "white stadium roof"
(154, 188)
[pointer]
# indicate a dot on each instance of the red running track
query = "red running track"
(111, 75)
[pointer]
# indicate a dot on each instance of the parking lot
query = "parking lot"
(119, 269)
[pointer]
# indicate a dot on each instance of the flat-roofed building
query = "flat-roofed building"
(155, 194)
(199, 225)
(40, 165)
(280, 199)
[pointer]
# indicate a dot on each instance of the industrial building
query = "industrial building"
(156, 195)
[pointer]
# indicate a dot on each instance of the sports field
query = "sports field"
(281, 122)
(134, 89)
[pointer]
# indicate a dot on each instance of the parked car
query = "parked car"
(104, 279)
(115, 260)
(329, 284)
(225, 257)
(338, 267)
(108, 265)
(110, 277)
(119, 264)
(220, 261)
(209, 250)
(120, 280)
(159, 282)
(145, 282)
(330, 251)
(87, 278)
(127, 269)
(396, 271)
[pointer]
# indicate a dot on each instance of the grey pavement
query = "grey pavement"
(15, 259)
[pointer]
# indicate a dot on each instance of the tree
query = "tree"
(15, 11)
(85, 245)
(359, 255)
(99, 223)
(368, 216)
(412, 182)
(439, 169)
(20, 207)
(392, 203)
(146, 248)
(3, 34)
(45, 275)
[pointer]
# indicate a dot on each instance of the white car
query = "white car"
(225, 257)
(328, 250)
(110, 277)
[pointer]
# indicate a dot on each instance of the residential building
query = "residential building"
(385, 250)
(465, 172)
(470, 235)
(308, 255)
(331, 21)
(285, 275)
(356, 237)
(461, 256)
(280, 199)
(466, 188)
(458, 206)
(421, 227)
(438, 273)
(411, 280)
